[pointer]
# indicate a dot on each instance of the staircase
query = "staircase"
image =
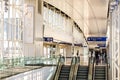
(64, 73)
(100, 73)
(82, 73)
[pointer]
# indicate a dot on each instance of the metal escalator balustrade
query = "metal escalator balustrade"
(67, 71)
(100, 73)
(58, 68)
(75, 68)
(85, 72)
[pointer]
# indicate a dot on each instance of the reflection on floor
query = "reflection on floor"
(43, 73)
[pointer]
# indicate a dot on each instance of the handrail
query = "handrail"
(107, 69)
(93, 69)
(57, 69)
(90, 69)
(73, 62)
(76, 68)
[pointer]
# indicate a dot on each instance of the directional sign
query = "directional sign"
(101, 45)
(65, 43)
(80, 44)
(96, 38)
(48, 39)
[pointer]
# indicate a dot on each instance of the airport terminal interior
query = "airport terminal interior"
(59, 39)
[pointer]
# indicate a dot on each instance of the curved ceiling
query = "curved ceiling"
(90, 15)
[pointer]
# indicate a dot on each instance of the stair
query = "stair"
(100, 73)
(82, 73)
(64, 73)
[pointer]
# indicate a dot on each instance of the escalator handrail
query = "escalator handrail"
(107, 69)
(76, 67)
(91, 67)
(59, 61)
(73, 62)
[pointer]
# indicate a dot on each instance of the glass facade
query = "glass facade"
(11, 30)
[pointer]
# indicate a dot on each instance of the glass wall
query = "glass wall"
(11, 30)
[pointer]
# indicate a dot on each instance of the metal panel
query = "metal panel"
(115, 42)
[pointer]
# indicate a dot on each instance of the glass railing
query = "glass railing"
(23, 61)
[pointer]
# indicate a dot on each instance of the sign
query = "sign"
(80, 44)
(48, 39)
(96, 38)
(65, 43)
(101, 45)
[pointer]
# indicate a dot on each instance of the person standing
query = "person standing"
(78, 57)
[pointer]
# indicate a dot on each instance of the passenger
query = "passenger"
(96, 57)
(90, 57)
(105, 57)
(77, 52)
(78, 57)
(93, 56)
(101, 57)
(62, 58)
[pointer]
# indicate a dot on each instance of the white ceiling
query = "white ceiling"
(98, 16)
(90, 15)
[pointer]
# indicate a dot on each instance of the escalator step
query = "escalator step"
(64, 73)
(81, 79)
(82, 73)
(63, 79)
(100, 73)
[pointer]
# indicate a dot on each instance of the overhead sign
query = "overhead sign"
(80, 44)
(65, 43)
(48, 39)
(96, 38)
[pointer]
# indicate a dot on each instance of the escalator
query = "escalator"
(100, 73)
(82, 73)
(64, 73)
